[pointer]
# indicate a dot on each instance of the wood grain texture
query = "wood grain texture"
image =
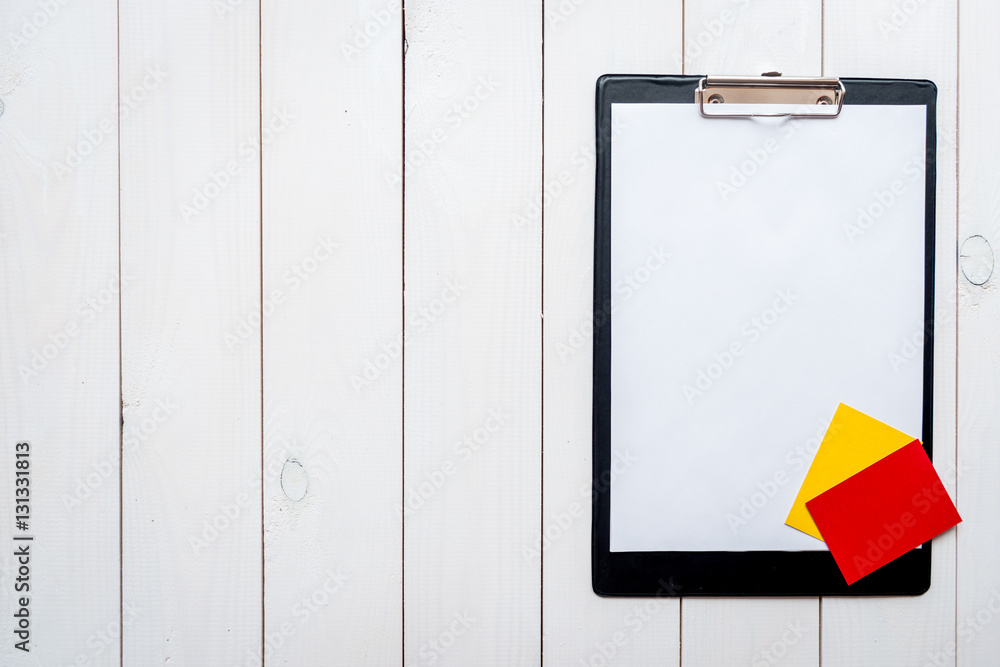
(750, 38)
(190, 207)
(59, 348)
(453, 507)
(580, 45)
(332, 268)
(472, 309)
(978, 470)
(879, 39)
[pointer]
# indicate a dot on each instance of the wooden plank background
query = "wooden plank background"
(319, 276)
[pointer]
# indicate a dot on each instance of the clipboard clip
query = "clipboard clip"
(807, 97)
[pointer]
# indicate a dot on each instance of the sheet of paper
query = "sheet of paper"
(853, 442)
(877, 515)
(762, 272)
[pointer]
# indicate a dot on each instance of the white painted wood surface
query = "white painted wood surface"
(190, 221)
(332, 268)
(749, 38)
(472, 322)
(580, 45)
(375, 505)
(59, 384)
(977, 613)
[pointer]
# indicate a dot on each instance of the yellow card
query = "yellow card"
(853, 442)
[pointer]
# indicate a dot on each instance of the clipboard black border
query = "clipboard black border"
(722, 573)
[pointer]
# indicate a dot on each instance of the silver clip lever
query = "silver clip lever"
(807, 97)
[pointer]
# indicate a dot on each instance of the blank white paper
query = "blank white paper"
(762, 272)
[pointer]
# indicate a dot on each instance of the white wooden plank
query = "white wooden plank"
(909, 40)
(190, 206)
(978, 471)
(332, 262)
(472, 319)
(751, 632)
(750, 38)
(59, 384)
(596, 38)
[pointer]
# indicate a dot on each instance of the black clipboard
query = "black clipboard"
(757, 571)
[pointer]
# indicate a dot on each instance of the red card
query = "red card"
(883, 511)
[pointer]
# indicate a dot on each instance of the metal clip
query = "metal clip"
(811, 97)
